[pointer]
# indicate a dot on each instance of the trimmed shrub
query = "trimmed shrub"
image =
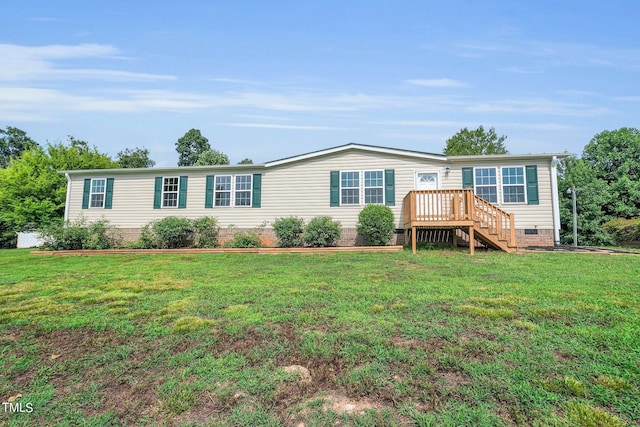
(146, 239)
(376, 224)
(78, 235)
(244, 239)
(289, 231)
(322, 231)
(173, 232)
(623, 229)
(206, 230)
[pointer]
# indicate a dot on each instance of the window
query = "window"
(222, 190)
(170, 186)
(96, 198)
(513, 185)
(243, 190)
(373, 187)
(350, 188)
(486, 184)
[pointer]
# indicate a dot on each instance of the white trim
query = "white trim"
(555, 203)
(91, 193)
(230, 191)
(419, 171)
(364, 187)
(162, 193)
(234, 179)
(498, 186)
(524, 185)
(68, 201)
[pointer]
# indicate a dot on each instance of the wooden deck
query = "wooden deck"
(458, 210)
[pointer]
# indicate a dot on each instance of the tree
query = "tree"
(13, 142)
(136, 158)
(607, 179)
(614, 157)
(33, 193)
(212, 157)
(190, 146)
(472, 142)
(246, 161)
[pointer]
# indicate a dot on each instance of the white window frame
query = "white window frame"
(365, 187)
(236, 191)
(524, 184)
(103, 193)
(177, 192)
(216, 191)
(358, 188)
(496, 185)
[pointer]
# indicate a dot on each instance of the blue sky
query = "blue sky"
(271, 79)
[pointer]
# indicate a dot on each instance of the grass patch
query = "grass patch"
(439, 338)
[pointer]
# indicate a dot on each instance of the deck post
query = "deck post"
(455, 237)
(512, 223)
(472, 240)
(413, 240)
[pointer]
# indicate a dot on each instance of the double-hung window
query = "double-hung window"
(350, 188)
(170, 188)
(243, 190)
(513, 186)
(222, 190)
(96, 198)
(486, 184)
(373, 187)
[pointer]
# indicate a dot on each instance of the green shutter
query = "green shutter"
(256, 196)
(208, 195)
(389, 187)
(334, 188)
(467, 177)
(108, 196)
(532, 185)
(157, 193)
(85, 193)
(182, 195)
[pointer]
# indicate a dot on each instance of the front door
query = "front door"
(427, 181)
(428, 205)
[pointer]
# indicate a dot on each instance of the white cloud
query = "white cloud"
(281, 126)
(42, 63)
(444, 82)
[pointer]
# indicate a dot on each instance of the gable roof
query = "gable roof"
(315, 154)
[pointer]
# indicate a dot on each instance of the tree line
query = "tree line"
(32, 192)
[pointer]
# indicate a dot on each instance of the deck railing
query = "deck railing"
(457, 207)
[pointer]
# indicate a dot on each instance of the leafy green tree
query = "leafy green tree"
(13, 142)
(190, 147)
(32, 192)
(473, 142)
(212, 157)
(136, 158)
(246, 161)
(592, 197)
(614, 157)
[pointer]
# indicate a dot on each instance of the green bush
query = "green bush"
(78, 235)
(622, 229)
(173, 232)
(322, 231)
(289, 231)
(147, 239)
(376, 224)
(244, 239)
(206, 232)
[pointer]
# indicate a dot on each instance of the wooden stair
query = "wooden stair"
(462, 210)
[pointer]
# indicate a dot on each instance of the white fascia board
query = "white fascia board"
(164, 170)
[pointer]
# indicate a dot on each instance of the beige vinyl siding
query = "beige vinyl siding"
(299, 188)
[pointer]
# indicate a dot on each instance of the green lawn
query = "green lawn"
(441, 338)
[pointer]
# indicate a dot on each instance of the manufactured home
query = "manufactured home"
(501, 201)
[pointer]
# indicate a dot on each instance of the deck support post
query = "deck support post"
(472, 241)
(413, 240)
(454, 237)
